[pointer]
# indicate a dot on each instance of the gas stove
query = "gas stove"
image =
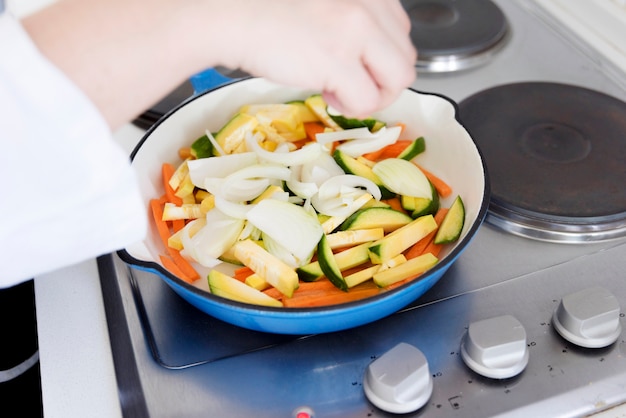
(172, 360)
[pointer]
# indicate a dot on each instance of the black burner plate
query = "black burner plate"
(553, 151)
(454, 29)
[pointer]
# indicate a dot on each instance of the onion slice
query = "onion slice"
(290, 225)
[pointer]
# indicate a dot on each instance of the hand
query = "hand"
(357, 52)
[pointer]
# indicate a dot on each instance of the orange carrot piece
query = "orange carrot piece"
(420, 246)
(275, 293)
(242, 273)
(156, 205)
(331, 296)
(167, 171)
(393, 150)
(388, 151)
(183, 264)
(312, 129)
(441, 186)
(433, 248)
(178, 224)
(395, 203)
(374, 155)
(173, 268)
(301, 142)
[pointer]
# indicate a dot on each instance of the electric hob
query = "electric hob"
(534, 253)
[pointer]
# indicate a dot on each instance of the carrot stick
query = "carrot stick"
(331, 296)
(420, 246)
(393, 150)
(312, 129)
(183, 264)
(156, 205)
(178, 224)
(275, 293)
(441, 186)
(433, 248)
(167, 170)
(301, 142)
(374, 155)
(395, 203)
(242, 273)
(173, 268)
(388, 151)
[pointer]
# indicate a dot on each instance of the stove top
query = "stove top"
(172, 360)
(556, 157)
(447, 35)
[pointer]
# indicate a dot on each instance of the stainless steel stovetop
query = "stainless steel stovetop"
(172, 360)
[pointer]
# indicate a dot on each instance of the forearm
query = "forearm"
(124, 54)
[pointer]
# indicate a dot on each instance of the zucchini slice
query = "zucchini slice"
(329, 265)
(417, 147)
(452, 224)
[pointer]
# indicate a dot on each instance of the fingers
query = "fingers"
(357, 52)
(384, 67)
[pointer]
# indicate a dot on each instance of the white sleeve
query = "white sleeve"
(68, 192)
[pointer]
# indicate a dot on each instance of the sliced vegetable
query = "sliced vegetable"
(218, 167)
(202, 147)
(350, 123)
(341, 239)
(270, 268)
(411, 268)
(402, 177)
(345, 260)
(442, 187)
(228, 287)
(376, 217)
(231, 138)
(329, 265)
(417, 147)
(291, 225)
(452, 225)
(317, 105)
(351, 166)
(401, 239)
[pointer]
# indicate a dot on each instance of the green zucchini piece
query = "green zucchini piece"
(417, 147)
(351, 123)
(328, 264)
(376, 217)
(351, 165)
(452, 224)
(202, 147)
(426, 206)
(347, 259)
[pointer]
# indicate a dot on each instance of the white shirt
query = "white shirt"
(67, 190)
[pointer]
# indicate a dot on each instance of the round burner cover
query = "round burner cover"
(556, 157)
(454, 35)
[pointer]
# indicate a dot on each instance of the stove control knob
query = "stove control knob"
(495, 347)
(588, 318)
(399, 381)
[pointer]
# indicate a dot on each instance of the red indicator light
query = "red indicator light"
(303, 412)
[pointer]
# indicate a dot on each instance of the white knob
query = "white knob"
(399, 381)
(495, 347)
(588, 318)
